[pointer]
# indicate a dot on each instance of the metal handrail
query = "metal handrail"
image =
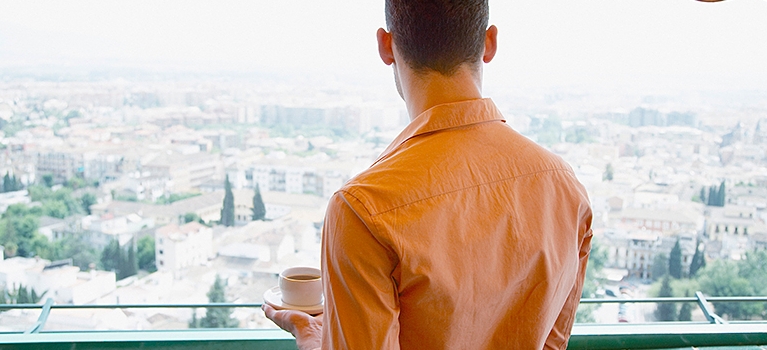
(130, 306)
(672, 300)
(258, 305)
(701, 300)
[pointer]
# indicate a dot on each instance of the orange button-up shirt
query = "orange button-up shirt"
(464, 234)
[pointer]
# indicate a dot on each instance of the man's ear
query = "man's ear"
(491, 44)
(384, 46)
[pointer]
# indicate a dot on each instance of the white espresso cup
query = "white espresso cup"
(301, 286)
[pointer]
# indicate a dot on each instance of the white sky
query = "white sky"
(603, 43)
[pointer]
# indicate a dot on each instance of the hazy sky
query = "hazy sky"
(604, 43)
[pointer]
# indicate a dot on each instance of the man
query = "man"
(463, 234)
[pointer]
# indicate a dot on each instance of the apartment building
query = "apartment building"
(178, 247)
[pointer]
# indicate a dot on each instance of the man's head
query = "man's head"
(438, 35)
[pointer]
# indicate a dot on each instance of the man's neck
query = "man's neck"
(426, 90)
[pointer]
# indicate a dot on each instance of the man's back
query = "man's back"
(464, 234)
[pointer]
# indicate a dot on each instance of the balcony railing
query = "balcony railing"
(716, 332)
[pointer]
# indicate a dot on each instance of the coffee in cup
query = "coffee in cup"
(301, 286)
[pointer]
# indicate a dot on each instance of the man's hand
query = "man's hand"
(306, 328)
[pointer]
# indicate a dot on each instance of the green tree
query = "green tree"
(8, 238)
(24, 295)
(192, 217)
(685, 312)
(38, 193)
(48, 180)
(703, 197)
(111, 257)
(75, 183)
(666, 311)
(146, 254)
(608, 174)
(74, 247)
(752, 267)
(7, 186)
(720, 195)
(698, 260)
(659, 266)
(675, 261)
(259, 209)
(721, 278)
(22, 232)
(227, 212)
(65, 195)
(86, 201)
(131, 263)
(712, 196)
(597, 259)
(18, 231)
(218, 317)
(194, 322)
(56, 209)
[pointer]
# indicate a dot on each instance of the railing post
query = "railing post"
(710, 315)
(38, 325)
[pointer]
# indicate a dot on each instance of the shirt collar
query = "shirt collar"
(446, 116)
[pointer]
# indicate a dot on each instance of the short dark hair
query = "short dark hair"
(438, 35)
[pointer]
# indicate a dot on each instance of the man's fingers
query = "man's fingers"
(285, 319)
(276, 316)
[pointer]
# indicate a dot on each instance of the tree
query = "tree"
(122, 262)
(698, 260)
(608, 174)
(86, 201)
(192, 217)
(219, 317)
(597, 259)
(7, 187)
(720, 196)
(56, 209)
(722, 278)
(227, 212)
(712, 193)
(11, 183)
(752, 268)
(685, 312)
(259, 209)
(666, 311)
(110, 256)
(23, 295)
(194, 322)
(675, 261)
(659, 266)
(24, 230)
(703, 197)
(145, 252)
(48, 180)
(131, 264)
(75, 183)
(75, 247)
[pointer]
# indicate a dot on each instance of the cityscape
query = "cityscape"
(114, 190)
(183, 152)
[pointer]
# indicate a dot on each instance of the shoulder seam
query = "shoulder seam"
(374, 231)
(553, 170)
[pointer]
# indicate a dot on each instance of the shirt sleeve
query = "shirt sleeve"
(361, 304)
(560, 333)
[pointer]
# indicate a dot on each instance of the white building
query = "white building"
(177, 247)
(101, 230)
(10, 198)
(64, 283)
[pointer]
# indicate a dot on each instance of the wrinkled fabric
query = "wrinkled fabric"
(464, 234)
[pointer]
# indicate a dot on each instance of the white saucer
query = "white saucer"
(273, 297)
